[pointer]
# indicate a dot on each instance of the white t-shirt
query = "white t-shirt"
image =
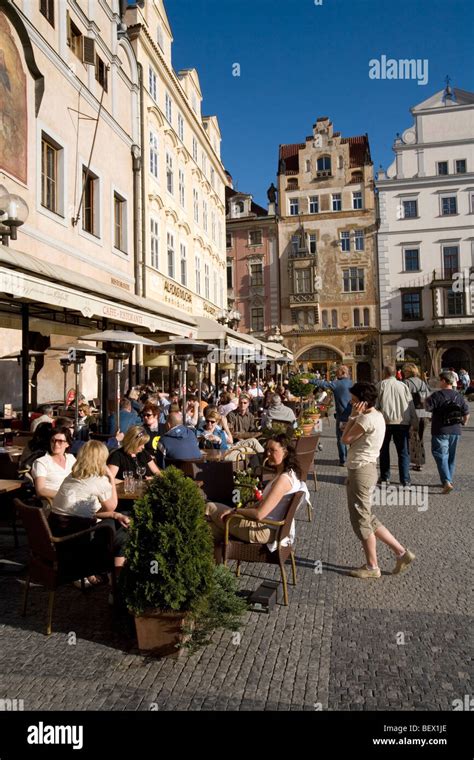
(82, 498)
(367, 448)
(46, 467)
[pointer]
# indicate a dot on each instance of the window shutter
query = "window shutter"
(88, 51)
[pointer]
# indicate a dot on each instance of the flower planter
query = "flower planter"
(307, 428)
(159, 633)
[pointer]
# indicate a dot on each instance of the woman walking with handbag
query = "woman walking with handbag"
(420, 391)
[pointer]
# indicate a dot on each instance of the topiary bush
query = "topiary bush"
(169, 555)
(297, 388)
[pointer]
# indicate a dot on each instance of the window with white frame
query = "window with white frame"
(154, 154)
(410, 208)
(336, 202)
(313, 204)
(256, 273)
(295, 243)
(449, 205)
(257, 319)
(169, 173)
(181, 127)
(204, 215)
(195, 149)
(159, 38)
(294, 207)
(312, 243)
(120, 223)
(353, 280)
(213, 226)
(168, 108)
(411, 259)
(183, 264)
(471, 202)
(90, 202)
(303, 280)
(219, 234)
(196, 205)
(357, 200)
(197, 269)
(204, 163)
(213, 178)
(154, 243)
(215, 287)
(255, 237)
(345, 241)
(460, 166)
(152, 89)
(359, 240)
(51, 174)
(206, 282)
(324, 165)
(221, 290)
(170, 250)
(182, 188)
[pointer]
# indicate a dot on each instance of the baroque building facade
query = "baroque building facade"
(327, 245)
(253, 290)
(426, 243)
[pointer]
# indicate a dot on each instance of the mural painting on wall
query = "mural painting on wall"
(13, 117)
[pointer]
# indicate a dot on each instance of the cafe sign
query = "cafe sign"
(175, 294)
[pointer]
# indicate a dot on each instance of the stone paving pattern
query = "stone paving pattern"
(334, 648)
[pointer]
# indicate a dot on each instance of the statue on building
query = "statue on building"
(282, 166)
(271, 193)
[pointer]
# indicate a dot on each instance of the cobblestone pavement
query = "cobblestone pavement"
(400, 642)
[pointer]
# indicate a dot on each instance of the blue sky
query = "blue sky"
(299, 61)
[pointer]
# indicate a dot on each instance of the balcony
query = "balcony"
(308, 299)
(301, 253)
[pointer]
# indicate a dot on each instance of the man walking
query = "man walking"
(342, 398)
(449, 411)
(396, 404)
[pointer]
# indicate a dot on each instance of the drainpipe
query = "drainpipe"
(144, 205)
(136, 168)
(377, 268)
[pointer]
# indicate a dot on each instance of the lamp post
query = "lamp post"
(76, 355)
(13, 213)
(119, 346)
(184, 350)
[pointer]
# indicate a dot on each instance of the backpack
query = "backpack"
(419, 396)
(451, 414)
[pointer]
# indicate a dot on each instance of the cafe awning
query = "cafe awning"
(30, 279)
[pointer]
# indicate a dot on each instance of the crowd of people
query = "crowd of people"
(76, 475)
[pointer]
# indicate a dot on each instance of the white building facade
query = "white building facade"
(426, 238)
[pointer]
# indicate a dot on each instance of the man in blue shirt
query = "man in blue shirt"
(342, 398)
(127, 418)
(179, 442)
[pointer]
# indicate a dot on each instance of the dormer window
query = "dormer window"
(159, 38)
(324, 166)
(239, 208)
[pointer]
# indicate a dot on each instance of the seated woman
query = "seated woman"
(49, 471)
(89, 494)
(37, 446)
(273, 505)
(132, 454)
(211, 432)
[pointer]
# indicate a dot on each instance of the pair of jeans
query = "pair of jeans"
(443, 448)
(401, 437)
(341, 447)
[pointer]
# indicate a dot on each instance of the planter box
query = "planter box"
(159, 632)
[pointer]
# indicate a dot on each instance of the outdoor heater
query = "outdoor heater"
(185, 349)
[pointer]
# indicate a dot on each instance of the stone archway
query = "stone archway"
(318, 358)
(456, 357)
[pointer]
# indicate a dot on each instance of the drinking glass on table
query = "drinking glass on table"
(141, 472)
(128, 481)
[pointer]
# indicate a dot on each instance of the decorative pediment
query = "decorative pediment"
(185, 227)
(171, 214)
(171, 137)
(156, 115)
(155, 199)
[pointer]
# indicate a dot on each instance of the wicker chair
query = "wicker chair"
(216, 479)
(246, 552)
(57, 561)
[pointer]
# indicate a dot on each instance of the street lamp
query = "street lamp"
(119, 345)
(13, 213)
(184, 350)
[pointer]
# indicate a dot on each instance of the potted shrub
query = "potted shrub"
(169, 577)
(297, 388)
(307, 425)
(313, 412)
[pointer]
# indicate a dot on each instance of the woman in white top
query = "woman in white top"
(275, 498)
(364, 433)
(87, 494)
(49, 471)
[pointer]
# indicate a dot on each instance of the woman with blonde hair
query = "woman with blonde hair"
(420, 392)
(89, 494)
(132, 454)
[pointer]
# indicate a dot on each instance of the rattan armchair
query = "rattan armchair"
(233, 549)
(56, 561)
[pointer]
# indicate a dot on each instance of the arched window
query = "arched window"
(324, 318)
(356, 317)
(334, 318)
(324, 164)
(366, 317)
(340, 162)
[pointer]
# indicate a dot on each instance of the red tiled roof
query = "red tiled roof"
(359, 150)
(290, 154)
